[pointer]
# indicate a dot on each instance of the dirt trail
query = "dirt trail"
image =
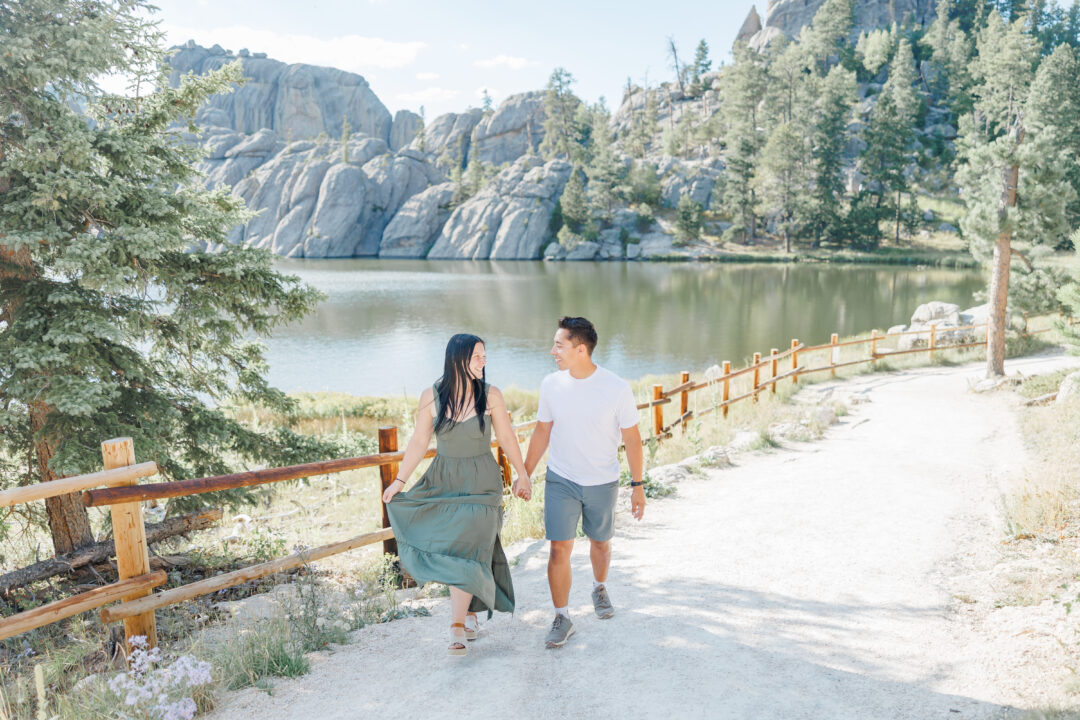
(811, 581)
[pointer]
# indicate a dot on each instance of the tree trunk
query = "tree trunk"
(102, 551)
(899, 200)
(999, 275)
(68, 521)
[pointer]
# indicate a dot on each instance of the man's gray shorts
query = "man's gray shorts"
(565, 502)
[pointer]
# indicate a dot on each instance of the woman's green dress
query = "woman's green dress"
(447, 525)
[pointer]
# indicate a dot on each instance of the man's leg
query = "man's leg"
(558, 570)
(600, 554)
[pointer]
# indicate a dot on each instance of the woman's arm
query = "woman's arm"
(504, 433)
(417, 447)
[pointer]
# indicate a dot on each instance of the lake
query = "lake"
(384, 325)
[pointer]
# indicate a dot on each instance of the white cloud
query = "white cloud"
(427, 76)
(428, 96)
(463, 46)
(507, 61)
(355, 53)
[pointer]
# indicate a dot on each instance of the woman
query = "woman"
(447, 526)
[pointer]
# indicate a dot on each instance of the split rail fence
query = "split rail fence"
(116, 485)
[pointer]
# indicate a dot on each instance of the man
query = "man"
(585, 411)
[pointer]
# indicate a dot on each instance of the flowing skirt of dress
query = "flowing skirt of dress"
(447, 526)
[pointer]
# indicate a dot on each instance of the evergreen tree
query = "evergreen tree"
(574, 203)
(875, 50)
(781, 180)
(827, 36)
(604, 169)
(702, 65)
(688, 218)
(560, 116)
(644, 126)
(114, 323)
(744, 89)
(835, 97)
(1053, 108)
(346, 133)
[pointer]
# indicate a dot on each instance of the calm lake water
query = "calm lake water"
(384, 326)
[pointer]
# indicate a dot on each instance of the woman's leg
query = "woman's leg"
(459, 605)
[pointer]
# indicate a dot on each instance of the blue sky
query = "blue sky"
(441, 55)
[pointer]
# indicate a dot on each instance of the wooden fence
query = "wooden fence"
(116, 487)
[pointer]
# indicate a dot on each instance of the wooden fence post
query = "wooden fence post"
(757, 373)
(658, 410)
(129, 536)
(1025, 323)
(684, 398)
(774, 367)
(933, 341)
(794, 361)
(873, 346)
(833, 352)
(726, 370)
(387, 473)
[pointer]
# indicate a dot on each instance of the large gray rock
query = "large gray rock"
(791, 16)
(515, 128)
(1069, 388)
(406, 125)
(448, 136)
(335, 228)
(390, 181)
(750, 27)
(690, 180)
(583, 251)
(233, 156)
(509, 219)
(296, 101)
(415, 226)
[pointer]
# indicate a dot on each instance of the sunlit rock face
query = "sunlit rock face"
(791, 16)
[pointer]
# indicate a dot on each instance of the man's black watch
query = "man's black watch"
(636, 483)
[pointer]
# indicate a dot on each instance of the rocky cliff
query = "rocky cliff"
(788, 17)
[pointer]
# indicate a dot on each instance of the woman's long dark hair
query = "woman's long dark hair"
(453, 386)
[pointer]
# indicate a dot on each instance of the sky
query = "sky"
(441, 55)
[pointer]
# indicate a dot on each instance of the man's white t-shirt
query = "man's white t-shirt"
(589, 416)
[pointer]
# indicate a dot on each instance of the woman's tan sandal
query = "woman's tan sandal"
(456, 646)
(472, 627)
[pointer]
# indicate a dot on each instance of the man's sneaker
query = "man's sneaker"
(601, 603)
(561, 630)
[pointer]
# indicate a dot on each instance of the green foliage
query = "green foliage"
(643, 184)
(875, 49)
(643, 126)
(575, 205)
(688, 217)
(116, 322)
(701, 65)
(782, 178)
(604, 170)
(561, 129)
(744, 90)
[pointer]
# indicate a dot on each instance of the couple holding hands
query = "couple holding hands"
(447, 525)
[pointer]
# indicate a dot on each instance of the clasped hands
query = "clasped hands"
(522, 487)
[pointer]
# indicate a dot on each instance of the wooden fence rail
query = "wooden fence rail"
(115, 485)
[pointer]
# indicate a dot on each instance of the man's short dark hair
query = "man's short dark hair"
(579, 330)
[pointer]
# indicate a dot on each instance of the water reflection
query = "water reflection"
(385, 323)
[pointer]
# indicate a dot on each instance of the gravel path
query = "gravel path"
(806, 582)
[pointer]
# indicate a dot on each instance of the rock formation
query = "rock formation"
(509, 219)
(295, 101)
(788, 17)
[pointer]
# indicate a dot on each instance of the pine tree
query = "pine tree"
(575, 204)
(701, 66)
(486, 104)
(1013, 177)
(1053, 107)
(835, 97)
(781, 179)
(604, 169)
(560, 112)
(346, 133)
(688, 218)
(113, 322)
(743, 90)
(828, 33)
